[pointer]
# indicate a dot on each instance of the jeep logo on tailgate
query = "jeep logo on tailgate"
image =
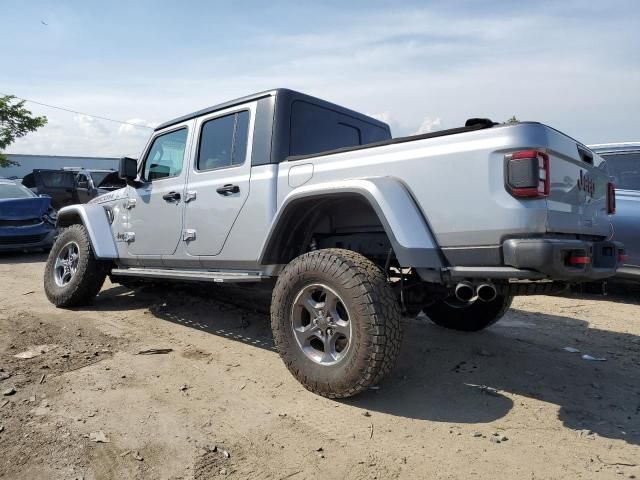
(586, 184)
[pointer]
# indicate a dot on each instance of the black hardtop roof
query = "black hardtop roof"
(279, 93)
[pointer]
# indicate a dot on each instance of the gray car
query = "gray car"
(623, 163)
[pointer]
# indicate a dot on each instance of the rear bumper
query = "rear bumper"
(628, 272)
(556, 259)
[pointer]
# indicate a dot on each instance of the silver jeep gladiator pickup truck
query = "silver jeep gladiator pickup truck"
(352, 227)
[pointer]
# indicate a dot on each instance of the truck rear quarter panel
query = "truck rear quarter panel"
(457, 182)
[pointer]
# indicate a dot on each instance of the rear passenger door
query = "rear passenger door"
(218, 183)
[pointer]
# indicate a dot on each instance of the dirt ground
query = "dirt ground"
(92, 407)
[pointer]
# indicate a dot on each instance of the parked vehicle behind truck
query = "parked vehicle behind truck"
(623, 164)
(68, 186)
(354, 226)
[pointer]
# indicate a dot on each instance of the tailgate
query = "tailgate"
(577, 202)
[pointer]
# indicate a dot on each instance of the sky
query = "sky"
(418, 65)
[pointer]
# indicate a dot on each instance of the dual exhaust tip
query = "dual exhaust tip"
(468, 292)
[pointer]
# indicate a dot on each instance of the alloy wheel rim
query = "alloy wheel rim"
(66, 264)
(321, 324)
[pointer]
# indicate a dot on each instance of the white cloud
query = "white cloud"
(429, 125)
(422, 64)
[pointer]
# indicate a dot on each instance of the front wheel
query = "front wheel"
(336, 322)
(73, 276)
(479, 315)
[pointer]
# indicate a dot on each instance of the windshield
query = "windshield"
(625, 169)
(13, 190)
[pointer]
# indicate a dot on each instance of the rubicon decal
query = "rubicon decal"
(586, 184)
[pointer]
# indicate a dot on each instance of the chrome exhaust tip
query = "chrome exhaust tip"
(465, 292)
(487, 292)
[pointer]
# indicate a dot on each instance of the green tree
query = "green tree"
(15, 122)
(513, 119)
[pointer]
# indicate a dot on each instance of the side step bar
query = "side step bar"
(189, 275)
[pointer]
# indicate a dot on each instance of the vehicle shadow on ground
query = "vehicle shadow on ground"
(13, 258)
(617, 291)
(213, 309)
(442, 375)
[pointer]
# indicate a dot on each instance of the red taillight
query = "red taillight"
(611, 198)
(578, 260)
(528, 174)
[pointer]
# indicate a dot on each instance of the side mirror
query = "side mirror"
(128, 170)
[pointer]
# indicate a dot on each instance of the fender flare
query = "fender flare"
(95, 220)
(408, 231)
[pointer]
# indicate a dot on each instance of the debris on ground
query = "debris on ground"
(366, 414)
(489, 390)
(593, 359)
(98, 437)
(35, 351)
(9, 391)
(571, 350)
(226, 454)
(138, 457)
(184, 387)
(155, 351)
(477, 434)
(4, 375)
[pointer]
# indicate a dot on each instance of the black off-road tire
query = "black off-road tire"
(90, 274)
(475, 317)
(374, 313)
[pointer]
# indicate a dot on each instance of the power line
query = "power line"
(79, 113)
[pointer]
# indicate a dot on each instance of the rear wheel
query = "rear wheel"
(450, 313)
(72, 275)
(336, 322)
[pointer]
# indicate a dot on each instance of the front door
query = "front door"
(218, 185)
(83, 188)
(156, 206)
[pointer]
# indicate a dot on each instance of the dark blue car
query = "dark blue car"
(27, 221)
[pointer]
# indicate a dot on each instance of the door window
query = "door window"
(223, 141)
(82, 181)
(166, 155)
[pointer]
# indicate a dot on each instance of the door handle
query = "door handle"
(228, 189)
(171, 196)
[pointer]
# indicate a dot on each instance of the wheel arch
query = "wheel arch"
(387, 198)
(94, 218)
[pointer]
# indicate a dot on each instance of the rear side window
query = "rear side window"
(624, 168)
(166, 155)
(57, 179)
(316, 129)
(223, 141)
